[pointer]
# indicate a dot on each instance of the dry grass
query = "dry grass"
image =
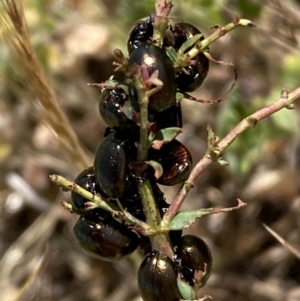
(33, 83)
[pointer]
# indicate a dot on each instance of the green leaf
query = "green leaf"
(223, 162)
(158, 170)
(172, 54)
(185, 289)
(212, 138)
(179, 97)
(249, 9)
(151, 136)
(165, 135)
(129, 111)
(187, 218)
(111, 83)
(189, 43)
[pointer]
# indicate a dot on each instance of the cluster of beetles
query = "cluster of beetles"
(115, 180)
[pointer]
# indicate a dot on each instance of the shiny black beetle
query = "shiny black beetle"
(102, 236)
(194, 255)
(111, 163)
(86, 179)
(157, 278)
(153, 58)
(192, 77)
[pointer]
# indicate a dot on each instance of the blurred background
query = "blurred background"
(74, 41)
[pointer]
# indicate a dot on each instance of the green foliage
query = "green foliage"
(291, 71)
(248, 9)
(185, 290)
(186, 218)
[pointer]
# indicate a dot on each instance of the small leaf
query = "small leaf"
(172, 54)
(129, 111)
(185, 289)
(212, 138)
(187, 218)
(151, 133)
(111, 83)
(157, 144)
(179, 97)
(165, 135)
(189, 43)
(223, 162)
(158, 170)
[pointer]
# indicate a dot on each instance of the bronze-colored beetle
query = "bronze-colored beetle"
(194, 255)
(102, 236)
(175, 160)
(157, 278)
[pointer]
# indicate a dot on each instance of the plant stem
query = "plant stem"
(285, 100)
(145, 188)
(149, 204)
(159, 241)
(162, 10)
(144, 123)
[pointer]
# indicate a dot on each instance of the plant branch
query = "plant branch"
(185, 219)
(214, 153)
(97, 202)
(201, 46)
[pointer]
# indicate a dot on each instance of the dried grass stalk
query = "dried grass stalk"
(33, 83)
(27, 256)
